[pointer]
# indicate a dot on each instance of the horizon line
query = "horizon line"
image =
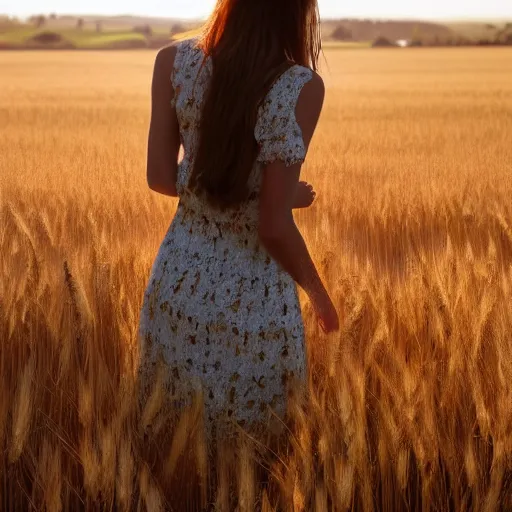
(324, 18)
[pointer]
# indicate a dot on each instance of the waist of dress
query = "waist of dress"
(242, 222)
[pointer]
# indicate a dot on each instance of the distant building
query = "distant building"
(403, 43)
(383, 42)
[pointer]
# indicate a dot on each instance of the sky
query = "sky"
(425, 9)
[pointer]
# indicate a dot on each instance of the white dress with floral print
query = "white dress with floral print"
(223, 315)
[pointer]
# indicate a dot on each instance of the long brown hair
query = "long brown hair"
(250, 42)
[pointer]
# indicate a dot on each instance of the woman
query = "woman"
(221, 307)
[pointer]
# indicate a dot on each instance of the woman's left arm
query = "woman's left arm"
(164, 135)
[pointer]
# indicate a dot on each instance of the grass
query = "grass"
(19, 37)
(411, 404)
(347, 45)
(94, 40)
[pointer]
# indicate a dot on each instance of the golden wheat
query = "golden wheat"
(411, 404)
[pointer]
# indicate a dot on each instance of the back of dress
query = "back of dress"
(219, 311)
(276, 131)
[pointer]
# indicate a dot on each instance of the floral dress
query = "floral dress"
(221, 313)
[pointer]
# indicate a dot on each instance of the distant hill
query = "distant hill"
(125, 31)
(362, 30)
(369, 30)
(126, 21)
(481, 30)
(108, 23)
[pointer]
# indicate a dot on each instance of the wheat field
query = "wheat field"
(411, 403)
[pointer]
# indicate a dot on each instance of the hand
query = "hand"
(305, 195)
(326, 313)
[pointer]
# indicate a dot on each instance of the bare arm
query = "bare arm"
(278, 231)
(164, 137)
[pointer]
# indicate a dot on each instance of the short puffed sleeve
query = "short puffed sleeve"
(277, 132)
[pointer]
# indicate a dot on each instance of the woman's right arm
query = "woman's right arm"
(278, 231)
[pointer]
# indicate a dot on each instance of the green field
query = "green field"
(121, 32)
(22, 37)
(346, 45)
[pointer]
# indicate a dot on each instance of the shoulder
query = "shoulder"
(165, 59)
(309, 105)
(301, 83)
(298, 89)
(308, 93)
(304, 74)
(170, 54)
(312, 87)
